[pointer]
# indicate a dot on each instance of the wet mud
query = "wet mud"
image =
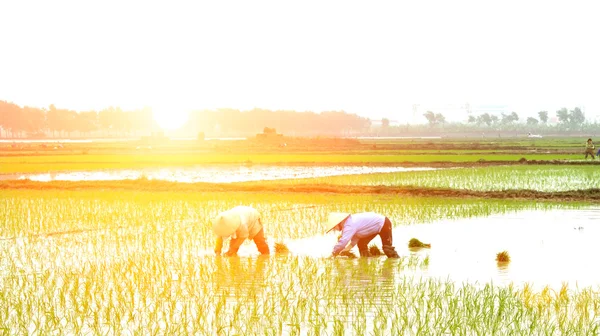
(588, 195)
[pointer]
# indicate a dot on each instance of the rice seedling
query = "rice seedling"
(348, 254)
(415, 243)
(281, 248)
(374, 250)
(503, 257)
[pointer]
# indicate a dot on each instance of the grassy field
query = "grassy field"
(53, 163)
(31, 158)
(547, 178)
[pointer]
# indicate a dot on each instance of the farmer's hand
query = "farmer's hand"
(229, 254)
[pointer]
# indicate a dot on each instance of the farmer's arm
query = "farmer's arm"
(347, 234)
(235, 244)
(352, 243)
(218, 245)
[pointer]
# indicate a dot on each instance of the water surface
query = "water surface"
(547, 248)
(215, 174)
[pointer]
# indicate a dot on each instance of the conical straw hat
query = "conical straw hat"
(336, 218)
(226, 223)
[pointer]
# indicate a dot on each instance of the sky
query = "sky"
(373, 58)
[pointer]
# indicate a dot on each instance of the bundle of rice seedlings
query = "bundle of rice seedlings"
(414, 242)
(348, 254)
(281, 248)
(502, 257)
(374, 250)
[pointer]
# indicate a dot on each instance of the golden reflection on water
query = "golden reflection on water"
(215, 174)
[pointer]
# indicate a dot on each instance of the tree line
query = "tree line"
(23, 122)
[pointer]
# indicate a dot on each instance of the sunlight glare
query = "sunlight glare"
(170, 118)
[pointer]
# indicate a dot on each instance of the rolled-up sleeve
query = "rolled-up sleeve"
(347, 234)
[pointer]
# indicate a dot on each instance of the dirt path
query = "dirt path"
(588, 195)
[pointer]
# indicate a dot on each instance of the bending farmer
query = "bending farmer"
(241, 223)
(359, 229)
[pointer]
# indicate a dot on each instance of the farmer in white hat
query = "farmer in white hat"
(359, 229)
(239, 223)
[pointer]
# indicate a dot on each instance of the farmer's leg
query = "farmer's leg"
(387, 240)
(234, 246)
(363, 245)
(261, 243)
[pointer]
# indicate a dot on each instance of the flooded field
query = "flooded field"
(130, 264)
(547, 248)
(214, 174)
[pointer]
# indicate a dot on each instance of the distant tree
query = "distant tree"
(9, 117)
(86, 122)
(576, 116)
(543, 116)
(532, 121)
(471, 119)
(494, 118)
(484, 119)
(563, 115)
(430, 116)
(385, 123)
(509, 118)
(34, 120)
(440, 119)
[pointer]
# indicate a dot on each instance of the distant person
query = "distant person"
(359, 229)
(239, 223)
(589, 149)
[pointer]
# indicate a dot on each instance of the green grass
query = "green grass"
(49, 163)
(533, 177)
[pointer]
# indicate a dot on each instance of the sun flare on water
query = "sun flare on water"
(169, 118)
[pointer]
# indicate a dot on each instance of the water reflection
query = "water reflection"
(215, 174)
(546, 247)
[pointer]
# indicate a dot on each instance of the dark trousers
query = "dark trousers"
(386, 241)
(589, 151)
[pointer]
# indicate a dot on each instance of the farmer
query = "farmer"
(359, 229)
(241, 223)
(589, 149)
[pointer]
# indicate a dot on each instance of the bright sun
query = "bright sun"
(169, 119)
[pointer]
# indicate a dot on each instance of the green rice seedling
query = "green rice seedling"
(145, 266)
(281, 248)
(415, 243)
(348, 254)
(374, 250)
(503, 257)
(549, 178)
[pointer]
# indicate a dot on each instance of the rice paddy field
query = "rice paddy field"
(548, 178)
(135, 257)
